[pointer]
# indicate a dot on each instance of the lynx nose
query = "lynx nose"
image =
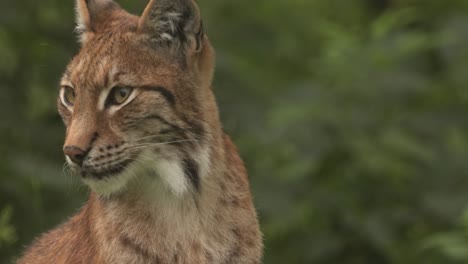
(76, 154)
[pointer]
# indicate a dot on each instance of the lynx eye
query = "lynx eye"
(68, 95)
(119, 95)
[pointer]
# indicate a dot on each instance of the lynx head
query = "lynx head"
(137, 98)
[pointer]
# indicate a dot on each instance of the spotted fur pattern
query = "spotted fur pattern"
(167, 184)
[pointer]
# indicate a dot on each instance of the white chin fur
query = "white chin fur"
(116, 183)
(169, 170)
(172, 174)
(109, 186)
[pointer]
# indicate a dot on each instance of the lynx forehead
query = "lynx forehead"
(143, 132)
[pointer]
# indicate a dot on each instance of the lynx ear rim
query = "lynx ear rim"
(89, 13)
(199, 38)
(173, 22)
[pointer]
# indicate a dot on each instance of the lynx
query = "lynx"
(143, 132)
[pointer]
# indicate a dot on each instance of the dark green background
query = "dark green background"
(351, 116)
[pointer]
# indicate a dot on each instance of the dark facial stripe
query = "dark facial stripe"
(195, 127)
(162, 120)
(191, 171)
(163, 91)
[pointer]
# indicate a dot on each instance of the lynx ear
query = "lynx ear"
(89, 13)
(175, 22)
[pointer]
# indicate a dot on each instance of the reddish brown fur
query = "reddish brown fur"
(145, 222)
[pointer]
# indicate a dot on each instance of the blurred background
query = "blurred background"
(351, 116)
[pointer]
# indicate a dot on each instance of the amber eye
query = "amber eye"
(119, 95)
(68, 95)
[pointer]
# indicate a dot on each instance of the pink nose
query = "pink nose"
(76, 154)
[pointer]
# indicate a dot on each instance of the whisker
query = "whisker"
(68, 172)
(127, 170)
(149, 137)
(137, 146)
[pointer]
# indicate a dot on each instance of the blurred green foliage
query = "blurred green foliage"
(351, 117)
(7, 232)
(452, 244)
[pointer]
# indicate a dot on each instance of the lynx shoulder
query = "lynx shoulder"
(143, 132)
